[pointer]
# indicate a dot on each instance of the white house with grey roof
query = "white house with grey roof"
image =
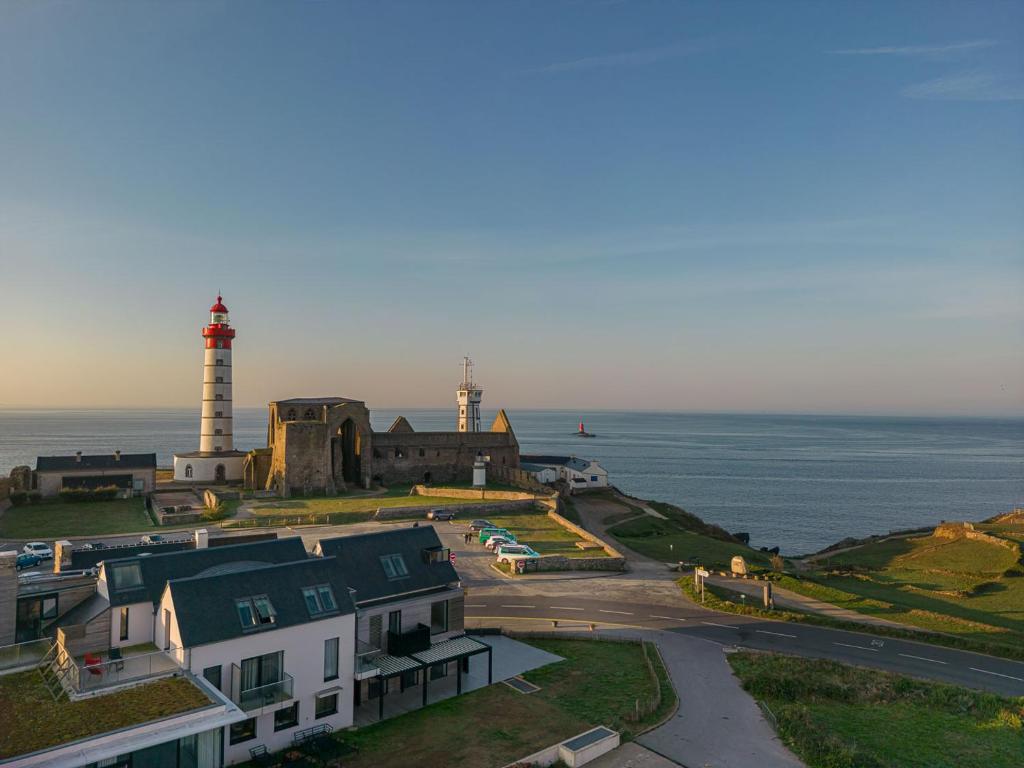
(580, 474)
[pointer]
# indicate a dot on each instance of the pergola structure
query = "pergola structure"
(456, 649)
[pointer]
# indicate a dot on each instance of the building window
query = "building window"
(593, 478)
(422, 452)
(220, 344)
(437, 671)
(212, 675)
(216, 449)
(395, 622)
(308, 415)
(126, 576)
(219, 380)
(243, 731)
(255, 612)
(218, 414)
(439, 617)
(258, 671)
(218, 431)
(220, 361)
(326, 705)
(399, 453)
(319, 599)
(291, 414)
(287, 717)
(188, 470)
(49, 607)
(394, 566)
(331, 659)
(218, 397)
(124, 623)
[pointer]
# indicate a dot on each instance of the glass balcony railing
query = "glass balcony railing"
(263, 695)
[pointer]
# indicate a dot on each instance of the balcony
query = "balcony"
(266, 695)
(365, 654)
(407, 643)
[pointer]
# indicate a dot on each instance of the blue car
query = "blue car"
(26, 560)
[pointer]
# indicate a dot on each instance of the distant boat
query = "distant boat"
(581, 432)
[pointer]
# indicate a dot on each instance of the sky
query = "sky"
(760, 207)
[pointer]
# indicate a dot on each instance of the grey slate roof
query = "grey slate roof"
(316, 401)
(358, 558)
(102, 461)
(204, 606)
(158, 569)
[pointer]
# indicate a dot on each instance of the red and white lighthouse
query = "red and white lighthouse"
(216, 460)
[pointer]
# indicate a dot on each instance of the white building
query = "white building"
(580, 474)
(542, 473)
(469, 395)
(216, 461)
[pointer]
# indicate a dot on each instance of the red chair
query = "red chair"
(92, 663)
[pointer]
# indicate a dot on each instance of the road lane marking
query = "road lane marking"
(519, 606)
(998, 674)
(621, 613)
(779, 634)
(921, 658)
(476, 605)
(670, 618)
(566, 608)
(858, 647)
(723, 626)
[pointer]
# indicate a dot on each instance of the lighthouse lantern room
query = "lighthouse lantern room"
(216, 461)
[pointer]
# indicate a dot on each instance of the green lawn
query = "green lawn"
(543, 534)
(964, 587)
(597, 684)
(670, 541)
(32, 720)
(54, 520)
(836, 716)
(351, 508)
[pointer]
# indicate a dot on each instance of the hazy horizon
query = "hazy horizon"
(773, 208)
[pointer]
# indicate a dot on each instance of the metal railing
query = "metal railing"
(262, 695)
(365, 654)
(90, 677)
(25, 654)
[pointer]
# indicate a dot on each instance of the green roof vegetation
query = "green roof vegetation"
(597, 684)
(32, 720)
(836, 716)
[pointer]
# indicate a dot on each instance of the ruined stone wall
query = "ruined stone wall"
(301, 463)
(448, 456)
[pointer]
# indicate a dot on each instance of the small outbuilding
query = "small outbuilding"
(134, 474)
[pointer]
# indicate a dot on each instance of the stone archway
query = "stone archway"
(346, 453)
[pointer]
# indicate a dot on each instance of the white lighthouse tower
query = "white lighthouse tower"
(216, 461)
(469, 397)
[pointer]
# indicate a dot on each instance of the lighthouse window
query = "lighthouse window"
(219, 380)
(220, 345)
(218, 414)
(220, 361)
(218, 397)
(218, 431)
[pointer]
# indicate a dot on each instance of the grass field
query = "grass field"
(543, 534)
(968, 588)
(682, 537)
(597, 684)
(835, 716)
(32, 720)
(351, 508)
(85, 518)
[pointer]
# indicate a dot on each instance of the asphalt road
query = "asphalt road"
(905, 657)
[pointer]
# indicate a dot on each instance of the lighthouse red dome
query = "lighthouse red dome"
(219, 306)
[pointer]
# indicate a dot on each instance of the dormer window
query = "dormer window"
(319, 599)
(394, 566)
(436, 555)
(126, 576)
(255, 612)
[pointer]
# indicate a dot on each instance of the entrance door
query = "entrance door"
(167, 630)
(219, 474)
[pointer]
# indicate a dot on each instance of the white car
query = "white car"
(494, 542)
(39, 549)
(509, 553)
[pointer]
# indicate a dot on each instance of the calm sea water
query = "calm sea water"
(801, 482)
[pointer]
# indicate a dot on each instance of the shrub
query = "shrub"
(103, 493)
(18, 497)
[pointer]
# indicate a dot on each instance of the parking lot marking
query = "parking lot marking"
(922, 658)
(858, 647)
(779, 634)
(998, 674)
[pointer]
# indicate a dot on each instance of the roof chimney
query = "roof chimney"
(117, 455)
(78, 456)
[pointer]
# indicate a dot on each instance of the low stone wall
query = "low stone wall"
(461, 510)
(563, 563)
(471, 493)
(966, 531)
(586, 535)
(212, 499)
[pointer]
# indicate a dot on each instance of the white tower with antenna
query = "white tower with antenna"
(469, 397)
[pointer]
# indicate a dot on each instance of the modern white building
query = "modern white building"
(580, 474)
(216, 461)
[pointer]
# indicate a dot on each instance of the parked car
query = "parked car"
(25, 560)
(509, 554)
(39, 549)
(479, 525)
(486, 533)
(494, 542)
(151, 538)
(440, 514)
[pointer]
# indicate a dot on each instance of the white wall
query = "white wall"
(140, 624)
(204, 468)
(303, 648)
(415, 611)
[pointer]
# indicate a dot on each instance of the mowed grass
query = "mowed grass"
(32, 720)
(597, 684)
(836, 716)
(354, 508)
(676, 539)
(958, 586)
(57, 519)
(543, 534)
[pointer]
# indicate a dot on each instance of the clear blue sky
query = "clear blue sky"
(809, 207)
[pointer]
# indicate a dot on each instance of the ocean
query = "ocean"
(800, 482)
